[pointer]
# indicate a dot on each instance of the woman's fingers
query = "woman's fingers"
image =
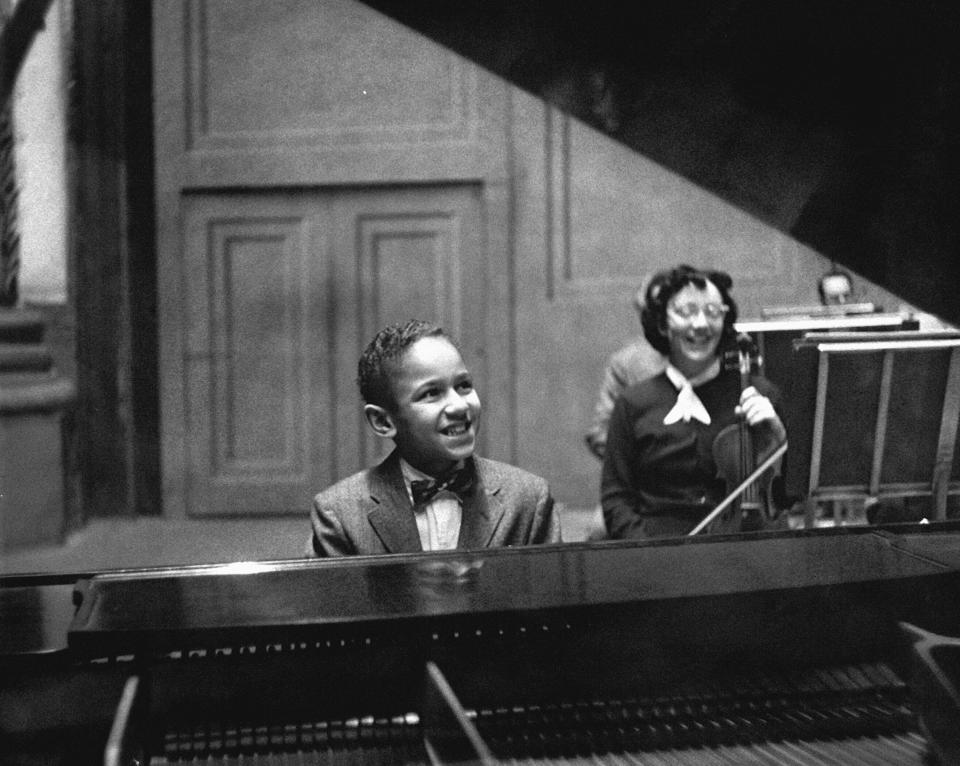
(757, 408)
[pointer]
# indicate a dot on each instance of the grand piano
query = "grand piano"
(789, 648)
(784, 648)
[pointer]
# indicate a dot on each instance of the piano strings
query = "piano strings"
(853, 714)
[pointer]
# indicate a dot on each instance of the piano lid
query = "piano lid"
(836, 123)
(341, 597)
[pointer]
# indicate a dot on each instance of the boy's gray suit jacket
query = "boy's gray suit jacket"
(370, 512)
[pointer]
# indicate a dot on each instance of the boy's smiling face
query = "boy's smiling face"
(437, 409)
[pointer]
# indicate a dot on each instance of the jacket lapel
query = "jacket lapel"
(482, 511)
(390, 514)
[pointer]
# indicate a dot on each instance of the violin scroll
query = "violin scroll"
(743, 354)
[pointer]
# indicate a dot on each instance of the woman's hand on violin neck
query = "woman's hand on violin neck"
(757, 408)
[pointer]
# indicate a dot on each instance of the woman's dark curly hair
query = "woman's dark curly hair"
(665, 284)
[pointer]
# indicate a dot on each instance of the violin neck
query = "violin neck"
(751, 495)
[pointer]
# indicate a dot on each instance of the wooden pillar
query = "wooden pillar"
(112, 260)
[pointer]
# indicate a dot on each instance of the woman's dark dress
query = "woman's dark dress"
(661, 479)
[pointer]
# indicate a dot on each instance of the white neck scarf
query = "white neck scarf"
(688, 404)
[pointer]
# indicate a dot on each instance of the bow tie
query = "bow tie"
(459, 482)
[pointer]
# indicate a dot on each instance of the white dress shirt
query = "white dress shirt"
(438, 522)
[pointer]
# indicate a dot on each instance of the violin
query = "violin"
(746, 463)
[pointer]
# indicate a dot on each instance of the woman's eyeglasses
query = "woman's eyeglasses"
(713, 312)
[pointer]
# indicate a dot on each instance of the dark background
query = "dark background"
(834, 121)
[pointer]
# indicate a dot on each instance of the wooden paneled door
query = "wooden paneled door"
(321, 171)
(282, 291)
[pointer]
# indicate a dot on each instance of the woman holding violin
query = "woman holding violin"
(667, 464)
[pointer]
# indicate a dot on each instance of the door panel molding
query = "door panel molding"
(253, 270)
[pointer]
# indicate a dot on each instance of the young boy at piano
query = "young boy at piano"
(432, 492)
(661, 471)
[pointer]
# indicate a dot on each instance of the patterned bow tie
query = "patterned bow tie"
(459, 482)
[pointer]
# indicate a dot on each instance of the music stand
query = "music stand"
(884, 419)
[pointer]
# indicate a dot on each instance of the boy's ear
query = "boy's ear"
(380, 420)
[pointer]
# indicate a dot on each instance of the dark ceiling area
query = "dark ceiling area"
(835, 121)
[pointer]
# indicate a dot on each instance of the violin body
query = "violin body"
(737, 454)
(755, 508)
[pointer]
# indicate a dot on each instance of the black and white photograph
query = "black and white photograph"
(479, 382)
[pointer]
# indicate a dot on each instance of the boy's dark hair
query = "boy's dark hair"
(665, 284)
(379, 359)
